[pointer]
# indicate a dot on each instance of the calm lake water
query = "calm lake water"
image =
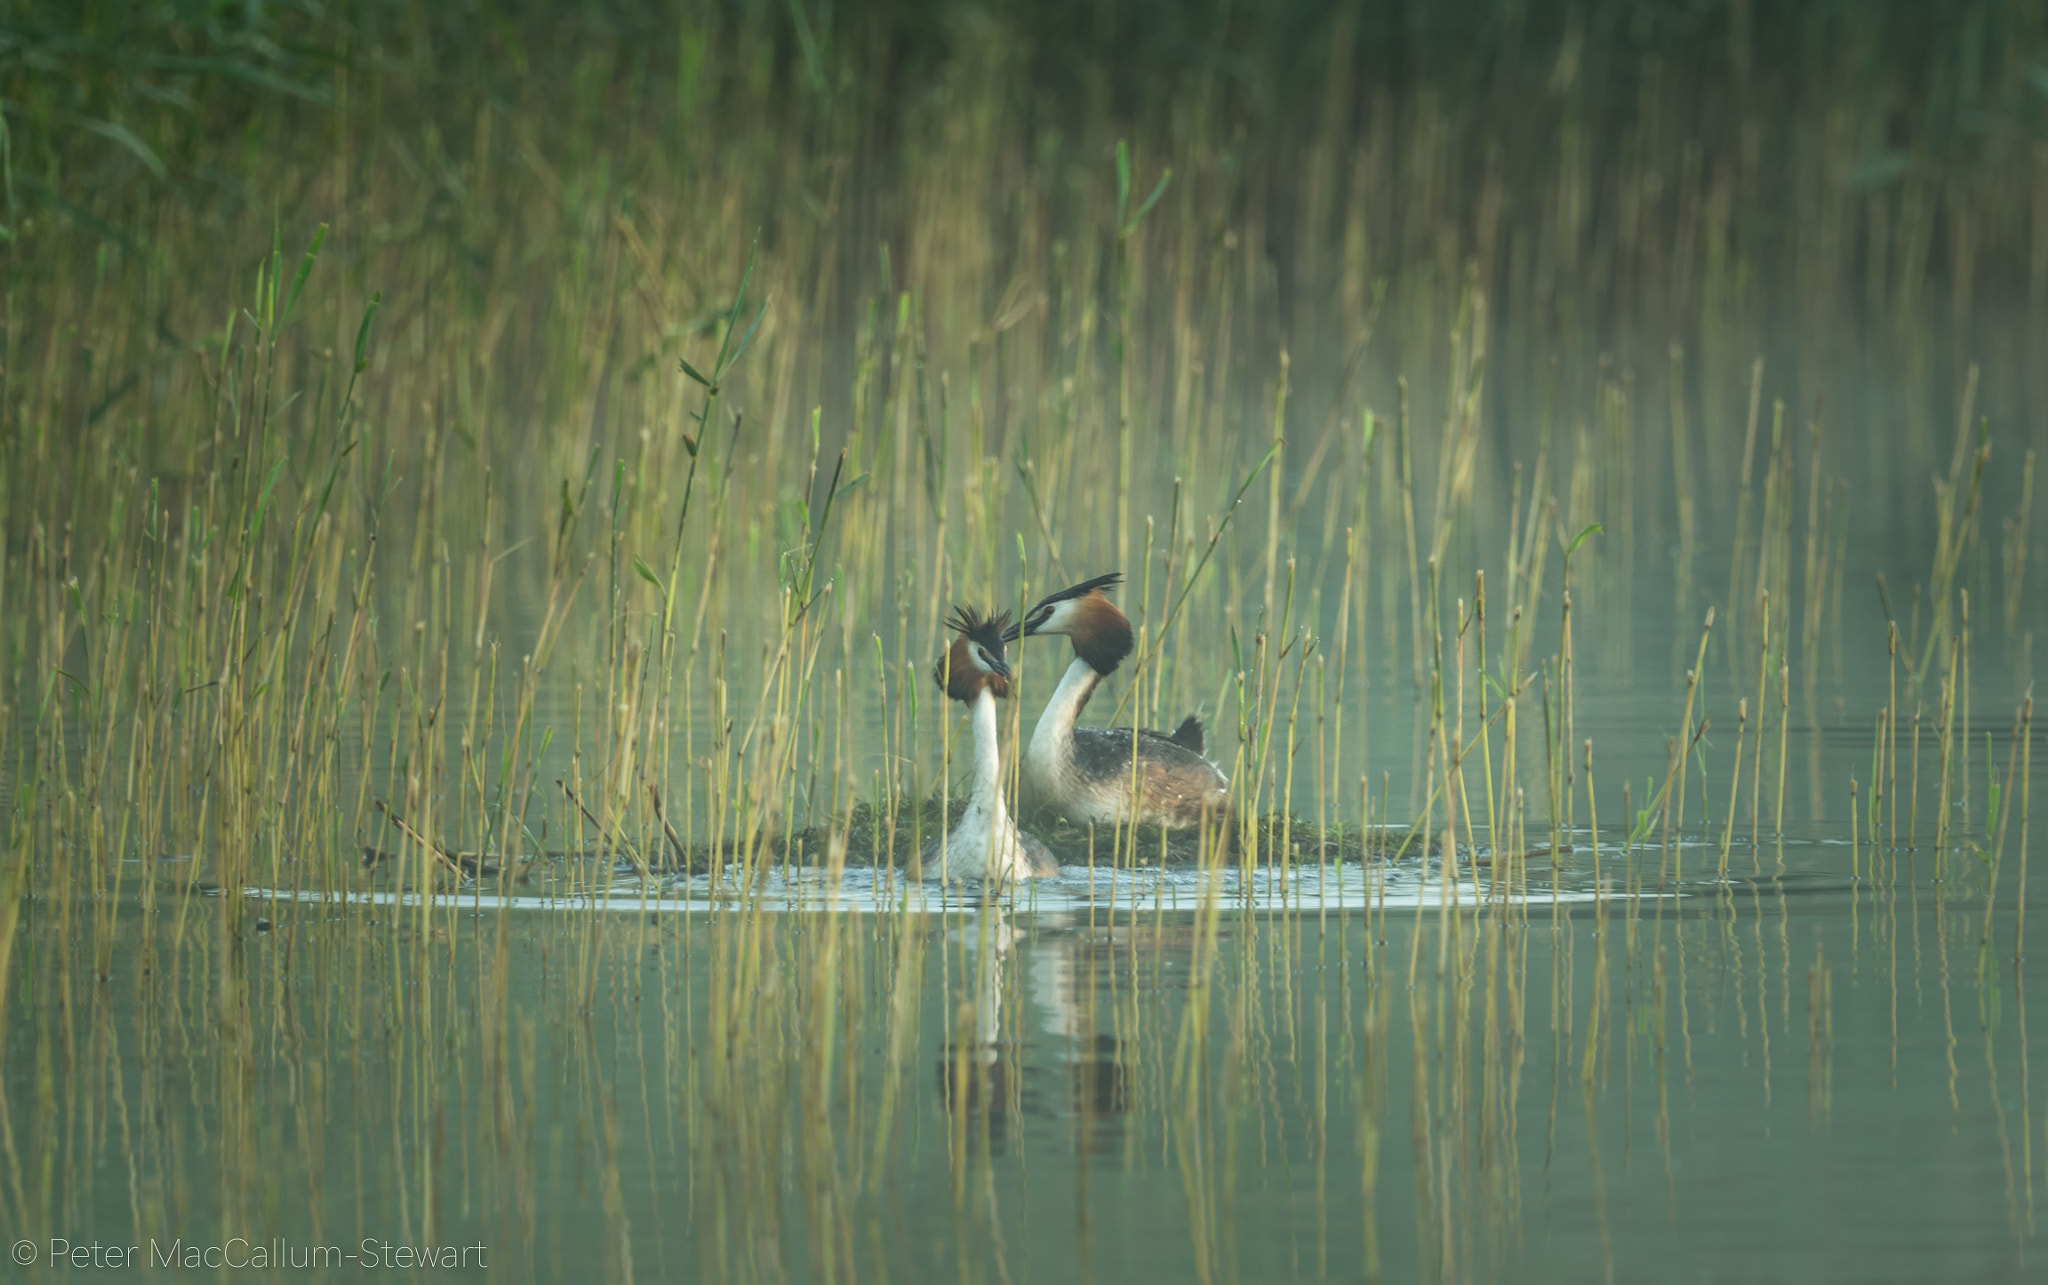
(1600, 1060)
(556, 441)
(1710, 1054)
(1792, 1074)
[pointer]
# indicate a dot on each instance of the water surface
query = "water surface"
(1789, 1074)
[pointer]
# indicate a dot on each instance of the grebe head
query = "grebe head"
(1101, 634)
(975, 661)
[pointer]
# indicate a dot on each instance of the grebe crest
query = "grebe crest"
(975, 662)
(1087, 773)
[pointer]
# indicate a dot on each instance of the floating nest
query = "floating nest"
(878, 837)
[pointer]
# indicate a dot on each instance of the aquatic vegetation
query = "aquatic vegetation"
(480, 494)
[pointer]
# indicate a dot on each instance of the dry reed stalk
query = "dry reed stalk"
(1692, 683)
(1784, 721)
(1734, 784)
(2019, 931)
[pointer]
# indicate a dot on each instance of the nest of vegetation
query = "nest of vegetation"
(876, 837)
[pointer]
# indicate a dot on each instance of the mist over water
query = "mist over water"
(480, 492)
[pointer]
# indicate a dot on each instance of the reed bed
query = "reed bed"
(535, 460)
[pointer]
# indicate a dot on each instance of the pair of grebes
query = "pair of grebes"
(1090, 775)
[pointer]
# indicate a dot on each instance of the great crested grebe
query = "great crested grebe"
(1085, 772)
(986, 843)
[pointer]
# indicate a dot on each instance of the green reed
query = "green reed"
(463, 554)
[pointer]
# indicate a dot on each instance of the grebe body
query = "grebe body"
(1108, 775)
(985, 844)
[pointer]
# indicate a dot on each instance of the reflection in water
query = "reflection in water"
(1056, 1067)
(1578, 1089)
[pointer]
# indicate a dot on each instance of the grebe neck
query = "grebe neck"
(988, 763)
(1056, 725)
